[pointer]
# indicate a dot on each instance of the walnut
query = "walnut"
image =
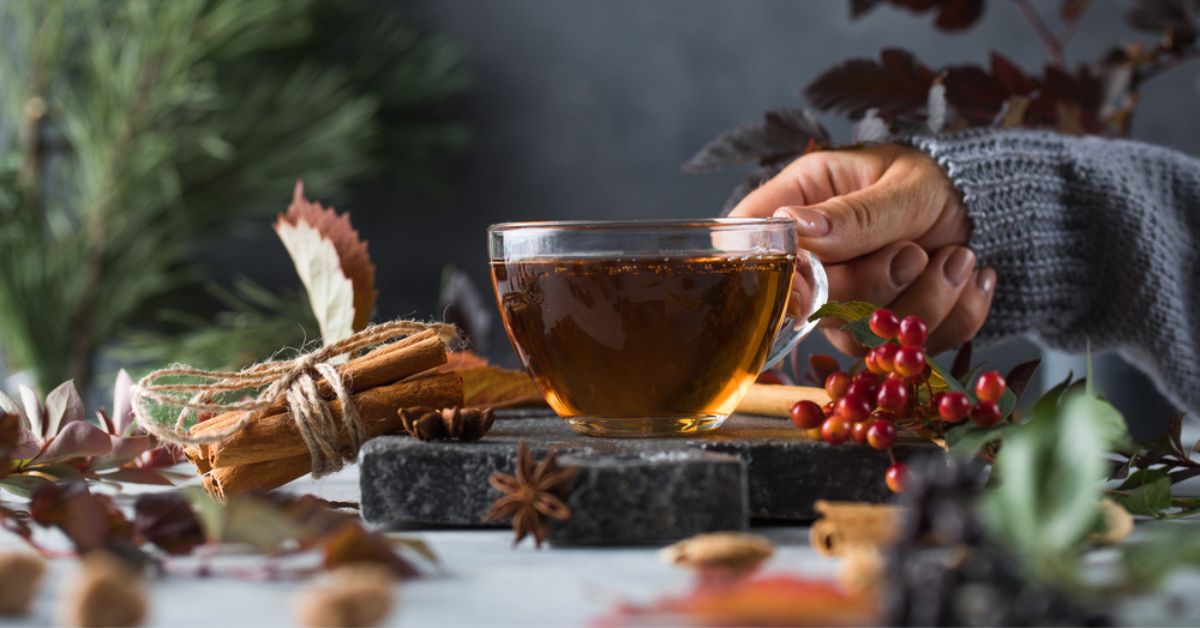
(726, 551)
(105, 592)
(20, 574)
(465, 424)
(359, 595)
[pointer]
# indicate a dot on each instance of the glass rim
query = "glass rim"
(641, 224)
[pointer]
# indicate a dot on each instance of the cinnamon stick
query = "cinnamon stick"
(850, 524)
(777, 400)
(226, 482)
(383, 365)
(276, 436)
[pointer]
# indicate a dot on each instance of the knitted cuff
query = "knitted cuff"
(1014, 185)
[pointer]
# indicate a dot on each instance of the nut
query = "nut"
(730, 551)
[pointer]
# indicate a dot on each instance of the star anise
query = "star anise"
(534, 492)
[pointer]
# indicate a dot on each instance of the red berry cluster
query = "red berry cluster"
(867, 405)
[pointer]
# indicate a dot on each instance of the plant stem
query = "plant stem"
(1051, 43)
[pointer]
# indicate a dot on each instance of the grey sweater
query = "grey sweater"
(1092, 239)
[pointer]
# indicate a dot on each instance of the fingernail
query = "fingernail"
(986, 280)
(810, 223)
(907, 265)
(959, 265)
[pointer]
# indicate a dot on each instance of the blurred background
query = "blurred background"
(450, 115)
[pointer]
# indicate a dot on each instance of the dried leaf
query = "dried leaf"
(464, 307)
(1072, 10)
(935, 107)
(870, 129)
(351, 544)
(354, 261)
(63, 406)
(494, 387)
(897, 84)
(330, 292)
(167, 521)
(784, 135)
(72, 508)
(952, 15)
(1162, 15)
(779, 600)
(1012, 113)
(1019, 377)
(962, 362)
(35, 414)
(122, 410)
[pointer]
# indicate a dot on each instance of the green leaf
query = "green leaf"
(965, 441)
(1051, 475)
(1147, 492)
(848, 311)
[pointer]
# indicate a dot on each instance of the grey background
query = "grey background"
(586, 109)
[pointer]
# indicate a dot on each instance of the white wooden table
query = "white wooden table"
(483, 581)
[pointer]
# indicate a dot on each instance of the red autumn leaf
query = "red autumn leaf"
(896, 84)
(352, 251)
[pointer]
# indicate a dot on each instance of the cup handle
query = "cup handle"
(792, 331)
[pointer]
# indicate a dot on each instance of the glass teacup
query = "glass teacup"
(650, 328)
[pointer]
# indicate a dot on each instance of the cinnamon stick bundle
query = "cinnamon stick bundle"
(270, 451)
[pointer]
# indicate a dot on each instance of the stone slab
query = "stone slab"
(406, 482)
(616, 499)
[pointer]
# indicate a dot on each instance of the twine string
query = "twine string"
(295, 381)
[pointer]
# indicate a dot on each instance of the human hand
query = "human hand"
(891, 229)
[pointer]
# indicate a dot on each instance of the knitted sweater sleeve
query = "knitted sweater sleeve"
(1092, 239)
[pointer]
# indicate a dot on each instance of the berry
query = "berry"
(835, 431)
(885, 356)
(990, 386)
(858, 432)
(866, 377)
(807, 415)
(893, 395)
(836, 384)
(953, 406)
(864, 384)
(853, 408)
(881, 434)
(913, 332)
(985, 414)
(910, 361)
(830, 408)
(897, 477)
(885, 324)
(872, 363)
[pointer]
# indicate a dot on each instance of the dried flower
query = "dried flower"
(732, 552)
(104, 593)
(20, 575)
(536, 490)
(465, 424)
(350, 596)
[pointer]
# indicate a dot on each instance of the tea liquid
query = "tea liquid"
(638, 337)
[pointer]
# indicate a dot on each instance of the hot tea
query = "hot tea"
(672, 338)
